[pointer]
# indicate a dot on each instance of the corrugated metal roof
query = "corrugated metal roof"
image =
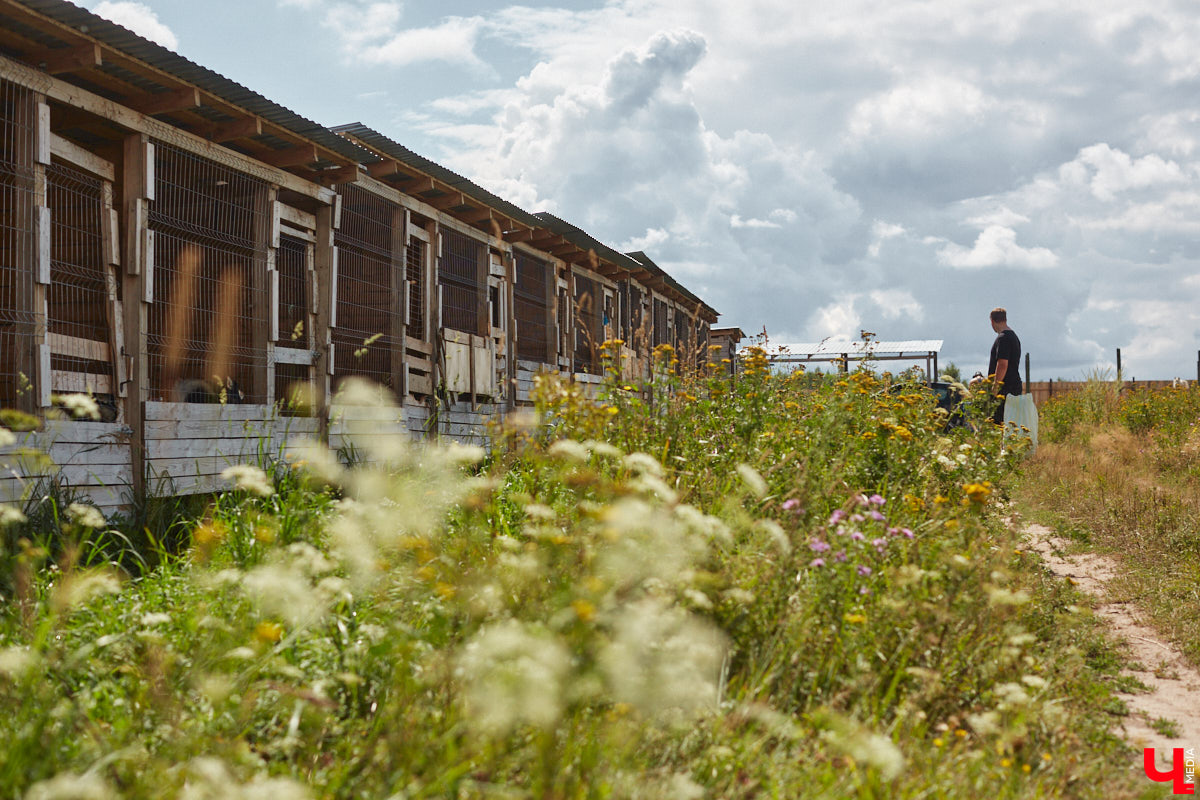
(647, 262)
(129, 43)
(836, 347)
(376, 140)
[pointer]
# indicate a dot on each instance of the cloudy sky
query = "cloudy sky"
(817, 168)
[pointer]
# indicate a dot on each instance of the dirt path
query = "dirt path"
(1174, 684)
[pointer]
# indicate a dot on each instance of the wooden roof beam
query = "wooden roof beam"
(167, 102)
(447, 201)
(333, 177)
(385, 169)
(477, 215)
(67, 59)
(524, 235)
(299, 156)
(233, 130)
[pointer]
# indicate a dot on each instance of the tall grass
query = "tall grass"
(1126, 480)
(784, 587)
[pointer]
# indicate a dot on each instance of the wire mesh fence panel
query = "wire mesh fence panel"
(530, 307)
(363, 336)
(637, 336)
(295, 293)
(415, 258)
(77, 300)
(462, 295)
(17, 197)
(209, 261)
(291, 381)
(662, 331)
(589, 326)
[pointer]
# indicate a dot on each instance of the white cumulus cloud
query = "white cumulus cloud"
(997, 246)
(138, 18)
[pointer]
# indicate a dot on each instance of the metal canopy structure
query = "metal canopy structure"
(843, 351)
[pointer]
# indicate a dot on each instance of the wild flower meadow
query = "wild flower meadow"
(775, 586)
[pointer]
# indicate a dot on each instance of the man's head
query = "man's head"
(999, 319)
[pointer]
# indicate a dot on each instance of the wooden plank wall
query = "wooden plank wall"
(188, 445)
(91, 458)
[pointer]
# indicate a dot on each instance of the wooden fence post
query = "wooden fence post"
(136, 188)
(1027, 372)
(1118, 365)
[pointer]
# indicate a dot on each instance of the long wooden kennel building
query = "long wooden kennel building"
(188, 251)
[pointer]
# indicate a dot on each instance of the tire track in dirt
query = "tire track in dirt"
(1173, 683)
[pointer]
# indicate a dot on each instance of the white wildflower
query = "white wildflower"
(569, 450)
(85, 515)
(946, 461)
(80, 587)
(682, 787)
(662, 657)
(753, 480)
(864, 745)
(1012, 694)
(740, 596)
(316, 459)
(1001, 596)
(15, 662)
(69, 786)
(540, 511)
(643, 541)
(155, 618)
(1034, 681)
(10, 515)
(7, 439)
(309, 559)
(643, 463)
(1021, 639)
(775, 531)
(275, 789)
(698, 599)
(373, 633)
(512, 674)
(241, 654)
(250, 479)
(80, 406)
(985, 723)
(284, 591)
(653, 486)
(703, 524)
(603, 449)
(465, 454)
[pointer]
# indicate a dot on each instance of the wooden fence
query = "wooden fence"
(1044, 390)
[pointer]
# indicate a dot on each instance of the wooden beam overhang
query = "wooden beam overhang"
(167, 102)
(60, 60)
(300, 155)
(338, 175)
(521, 236)
(233, 130)
(445, 202)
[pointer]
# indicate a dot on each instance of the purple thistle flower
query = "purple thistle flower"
(879, 543)
(876, 500)
(893, 531)
(864, 590)
(864, 570)
(817, 562)
(792, 505)
(839, 556)
(908, 534)
(836, 517)
(818, 546)
(857, 536)
(857, 517)
(876, 515)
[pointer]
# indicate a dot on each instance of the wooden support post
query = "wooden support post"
(1118, 365)
(1027, 372)
(41, 249)
(1198, 366)
(510, 363)
(136, 176)
(1050, 387)
(436, 336)
(936, 373)
(325, 267)
(400, 277)
(262, 280)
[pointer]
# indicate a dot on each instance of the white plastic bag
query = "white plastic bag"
(1021, 418)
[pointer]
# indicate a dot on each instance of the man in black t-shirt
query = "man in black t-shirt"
(1004, 366)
